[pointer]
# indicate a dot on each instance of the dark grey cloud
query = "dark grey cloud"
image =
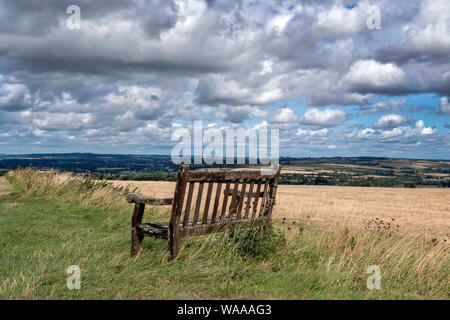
(239, 114)
(14, 96)
(383, 106)
(39, 17)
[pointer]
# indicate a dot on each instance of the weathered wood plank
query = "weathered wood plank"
(255, 205)
(225, 201)
(198, 202)
(249, 199)
(207, 202)
(255, 194)
(201, 175)
(241, 199)
(264, 198)
(272, 197)
(154, 230)
(187, 209)
(159, 230)
(138, 198)
(200, 229)
(177, 207)
(233, 204)
(216, 201)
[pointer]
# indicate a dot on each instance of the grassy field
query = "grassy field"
(51, 221)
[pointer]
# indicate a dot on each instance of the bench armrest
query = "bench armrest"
(138, 198)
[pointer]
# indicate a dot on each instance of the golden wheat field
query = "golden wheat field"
(421, 212)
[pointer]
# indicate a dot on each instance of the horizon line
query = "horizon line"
(168, 155)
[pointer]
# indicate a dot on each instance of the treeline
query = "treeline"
(137, 176)
(291, 179)
(86, 162)
(346, 180)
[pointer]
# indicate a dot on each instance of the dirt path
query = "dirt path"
(5, 186)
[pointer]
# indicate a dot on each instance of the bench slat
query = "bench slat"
(233, 205)
(198, 203)
(216, 201)
(272, 195)
(200, 229)
(187, 210)
(225, 201)
(256, 194)
(264, 199)
(255, 205)
(200, 175)
(241, 199)
(160, 229)
(249, 198)
(175, 214)
(208, 200)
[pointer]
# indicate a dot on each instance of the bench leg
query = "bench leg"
(135, 221)
(173, 247)
(135, 243)
(175, 214)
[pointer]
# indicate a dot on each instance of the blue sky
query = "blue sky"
(318, 71)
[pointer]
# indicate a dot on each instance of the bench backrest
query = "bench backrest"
(210, 200)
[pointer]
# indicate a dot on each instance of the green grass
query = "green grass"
(46, 225)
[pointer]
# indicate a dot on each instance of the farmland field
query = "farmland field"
(423, 212)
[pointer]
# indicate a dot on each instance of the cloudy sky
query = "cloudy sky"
(135, 70)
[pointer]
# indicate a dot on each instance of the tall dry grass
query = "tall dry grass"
(84, 190)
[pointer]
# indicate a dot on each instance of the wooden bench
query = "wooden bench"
(234, 198)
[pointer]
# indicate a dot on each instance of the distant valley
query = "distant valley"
(346, 171)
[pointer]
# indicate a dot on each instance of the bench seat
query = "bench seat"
(155, 230)
(160, 230)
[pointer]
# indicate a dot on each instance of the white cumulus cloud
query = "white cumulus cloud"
(372, 75)
(310, 133)
(324, 117)
(284, 115)
(390, 121)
